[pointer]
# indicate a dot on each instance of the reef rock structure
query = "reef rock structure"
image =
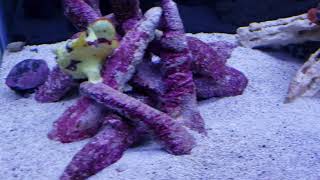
(129, 96)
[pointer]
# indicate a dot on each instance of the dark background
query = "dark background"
(42, 21)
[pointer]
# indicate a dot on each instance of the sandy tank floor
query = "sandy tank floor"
(253, 136)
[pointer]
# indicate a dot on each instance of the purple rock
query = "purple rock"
(229, 82)
(80, 13)
(206, 61)
(104, 149)
(179, 98)
(119, 69)
(57, 86)
(78, 122)
(174, 137)
(27, 75)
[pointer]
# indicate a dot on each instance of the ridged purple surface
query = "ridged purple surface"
(80, 13)
(230, 82)
(179, 98)
(78, 122)
(171, 134)
(119, 69)
(213, 77)
(57, 85)
(104, 149)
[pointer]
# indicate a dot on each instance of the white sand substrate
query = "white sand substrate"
(253, 136)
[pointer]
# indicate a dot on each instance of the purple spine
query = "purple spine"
(119, 69)
(179, 98)
(104, 149)
(171, 134)
(56, 86)
(78, 122)
(80, 13)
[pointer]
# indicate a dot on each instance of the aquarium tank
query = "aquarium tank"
(159, 90)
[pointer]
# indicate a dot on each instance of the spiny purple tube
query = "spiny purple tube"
(95, 4)
(57, 85)
(80, 13)
(174, 137)
(229, 82)
(27, 75)
(119, 69)
(127, 13)
(104, 149)
(179, 98)
(78, 122)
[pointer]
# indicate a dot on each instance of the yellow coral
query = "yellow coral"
(83, 57)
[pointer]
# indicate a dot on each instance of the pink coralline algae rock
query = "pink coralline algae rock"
(179, 99)
(213, 77)
(231, 82)
(78, 122)
(206, 61)
(27, 75)
(104, 149)
(169, 132)
(79, 110)
(222, 48)
(119, 69)
(80, 13)
(57, 85)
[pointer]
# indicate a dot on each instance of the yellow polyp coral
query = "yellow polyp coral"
(83, 57)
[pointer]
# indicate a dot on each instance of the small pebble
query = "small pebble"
(122, 168)
(16, 46)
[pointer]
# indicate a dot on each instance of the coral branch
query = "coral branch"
(174, 137)
(119, 69)
(179, 98)
(56, 86)
(80, 13)
(78, 122)
(103, 150)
